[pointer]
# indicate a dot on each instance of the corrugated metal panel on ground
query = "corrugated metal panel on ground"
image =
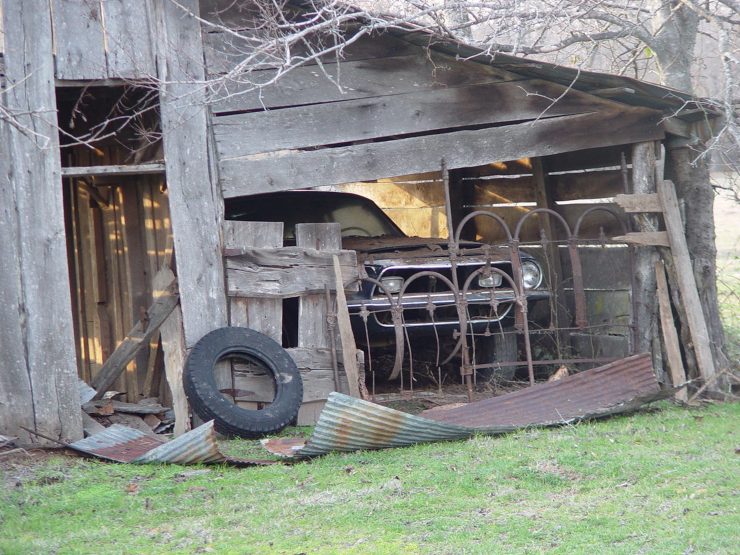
(349, 424)
(127, 445)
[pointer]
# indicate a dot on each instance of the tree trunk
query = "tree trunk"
(693, 187)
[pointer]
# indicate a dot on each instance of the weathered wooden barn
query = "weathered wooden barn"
(94, 204)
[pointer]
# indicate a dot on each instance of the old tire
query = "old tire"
(497, 348)
(231, 420)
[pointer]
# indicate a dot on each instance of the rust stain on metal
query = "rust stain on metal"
(127, 445)
(578, 396)
(128, 451)
(349, 424)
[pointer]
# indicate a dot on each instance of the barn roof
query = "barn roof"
(627, 90)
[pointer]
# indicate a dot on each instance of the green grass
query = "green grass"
(658, 482)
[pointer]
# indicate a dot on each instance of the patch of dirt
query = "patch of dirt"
(552, 467)
(22, 466)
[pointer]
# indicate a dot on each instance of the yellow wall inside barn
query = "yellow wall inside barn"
(415, 202)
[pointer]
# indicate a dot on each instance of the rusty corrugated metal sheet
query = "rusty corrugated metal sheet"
(579, 396)
(349, 424)
(118, 443)
(193, 447)
(127, 445)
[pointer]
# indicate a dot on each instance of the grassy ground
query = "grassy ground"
(659, 482)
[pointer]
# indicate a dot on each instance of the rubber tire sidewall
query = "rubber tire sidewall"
(209, 404)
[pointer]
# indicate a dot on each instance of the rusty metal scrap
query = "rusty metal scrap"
(349, 424)
(583, 395)
(127, 445)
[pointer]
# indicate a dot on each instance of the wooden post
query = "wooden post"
(38, 370)
(645, 319)
(686, 282)
(196, 208)
(552, 233)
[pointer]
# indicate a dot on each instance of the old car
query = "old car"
(392, 261)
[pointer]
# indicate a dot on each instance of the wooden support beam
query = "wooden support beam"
(139, 336)
(670, 336)
(460, 149)
(686, 281)
(644, 317)
(644, 238)
(543, 194)
(120, 170)
(196, 208)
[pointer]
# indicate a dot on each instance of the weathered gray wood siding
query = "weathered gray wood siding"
(38, 373)
(103, 39)
(392, 108)
(196, 206)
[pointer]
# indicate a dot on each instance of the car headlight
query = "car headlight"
(492, 280)
(392, 284)
(531, 274)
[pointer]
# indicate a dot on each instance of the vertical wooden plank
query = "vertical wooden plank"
(79, 40)
(687, 282)
(263, 315)
(645, 317)
(173, 345)
(312, 309)
(39, 370)
(138, 278)
(312, 326)
(196, 205)
(670, 337)
(127, 39)
(553, 232)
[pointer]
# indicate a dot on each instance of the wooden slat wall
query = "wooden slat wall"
(394, 113)
(99, 39)
(251, 301)
(38, 378)
(116, 249)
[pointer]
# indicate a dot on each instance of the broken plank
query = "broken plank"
(349, 349)
(120, 406)
(419, 154)
(89, 425)
(139, 336)
(686, 281)
(644, 238)
(646, 202)
(670, 336)
(173, 345)
(286, 272)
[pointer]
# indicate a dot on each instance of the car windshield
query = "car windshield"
(357, 216)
